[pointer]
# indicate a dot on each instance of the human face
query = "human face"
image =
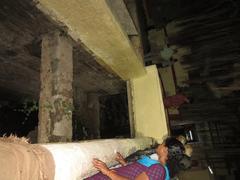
(162, 152)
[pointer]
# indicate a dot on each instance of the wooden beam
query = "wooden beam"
(93, 23)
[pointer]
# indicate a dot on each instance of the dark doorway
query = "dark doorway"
(114, 121)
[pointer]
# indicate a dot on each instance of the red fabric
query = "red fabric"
(174, 101)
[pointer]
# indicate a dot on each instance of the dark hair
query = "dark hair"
(175, 155)
(175, 148)
(191, 100)
(185, 163)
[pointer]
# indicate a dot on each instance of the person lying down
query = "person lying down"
(162, 163)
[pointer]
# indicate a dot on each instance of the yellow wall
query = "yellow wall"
(149, 117)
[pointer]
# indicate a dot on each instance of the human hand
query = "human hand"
(119, 158)
(101, 166)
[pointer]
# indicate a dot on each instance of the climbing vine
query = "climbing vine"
(60, 103)
(27, 107)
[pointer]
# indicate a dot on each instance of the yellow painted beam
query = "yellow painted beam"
(121, 13)
(149, 118)
(93, 23)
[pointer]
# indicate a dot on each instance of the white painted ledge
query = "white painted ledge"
(73, 161)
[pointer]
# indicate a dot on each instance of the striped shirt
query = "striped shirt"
(131, 171)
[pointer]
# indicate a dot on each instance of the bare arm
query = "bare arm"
(142, 176)
(114, 176)
(119, 158)
(101, 166)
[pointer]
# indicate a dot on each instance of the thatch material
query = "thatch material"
(14, 139)
(20, 160)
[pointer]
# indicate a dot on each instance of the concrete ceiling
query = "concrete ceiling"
(21, 26)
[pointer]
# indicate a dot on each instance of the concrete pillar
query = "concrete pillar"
(149, 118)
(86, 115)
(93, 123)
(55, 103)
(130, 109)
(80, 115)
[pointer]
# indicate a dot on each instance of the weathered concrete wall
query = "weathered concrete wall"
(55, 103)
